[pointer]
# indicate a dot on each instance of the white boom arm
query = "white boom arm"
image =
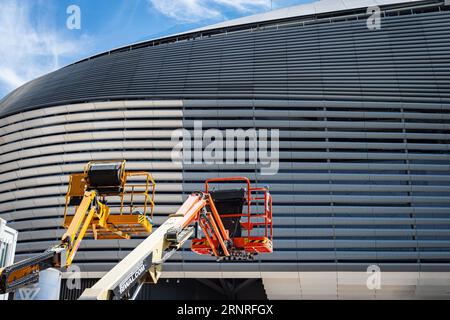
(144, 263)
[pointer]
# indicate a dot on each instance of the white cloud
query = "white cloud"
(197, 10)
(27, 49)
(185, 10)
(246, 5)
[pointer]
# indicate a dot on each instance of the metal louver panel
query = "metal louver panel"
(364, 120)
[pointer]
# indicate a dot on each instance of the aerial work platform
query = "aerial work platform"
(129, 197)
(246, 215)
(108, 202)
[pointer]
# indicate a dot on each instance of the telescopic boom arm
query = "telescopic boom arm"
(144, 263)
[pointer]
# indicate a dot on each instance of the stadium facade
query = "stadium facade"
(364, 120)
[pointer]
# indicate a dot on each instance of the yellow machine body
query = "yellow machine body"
(103, 202)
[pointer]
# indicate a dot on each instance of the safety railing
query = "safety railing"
(254, 197)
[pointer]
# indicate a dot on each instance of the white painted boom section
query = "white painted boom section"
(154, 245)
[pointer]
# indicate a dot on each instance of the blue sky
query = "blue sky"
(35, 39)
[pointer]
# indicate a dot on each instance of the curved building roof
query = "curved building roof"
(315, 8)
(219, 61)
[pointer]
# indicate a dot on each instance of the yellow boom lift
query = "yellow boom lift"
(103, 202)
